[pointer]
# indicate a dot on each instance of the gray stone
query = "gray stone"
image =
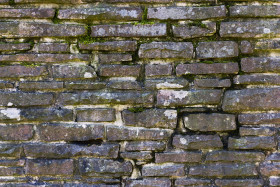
(120, 46)
(262, 99)
(259, 118)
(166, 50)
(151, 118)
(145, 146)
(239, 182)
(185, 98)
(192, 31)
(117, 133)
(212, 83)
(220, 49)
(250, 29)
(128, 30)
(182, 13)
(102, 13)
(257, 79)
(210, 122)
(234, 156)
(255, 11)
(197, 142)
(166, 83)
(163, 170)
(260, 65)
(96, 115)
(178, 157)
(263, 142)
(97, 167)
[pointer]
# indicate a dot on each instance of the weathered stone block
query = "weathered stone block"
(154, 70)
(124, 85)
(262, 131)
(60, 150)
(224, 170)
(246, 47)
(114, 57)
(128, 30)
(267, 44)
(180, 182)
(145, 146)
(210, 122)
(45, 57)
(49, 167)
(97, 167)
(143, 156)
(203, 68)
(250, 29)
(270, 169)
(262, 99)
(212, 83)
(173, 170)
(220, 49)
(121, 46)
(143, 98)
(151, 118)
(102, 13)
(164, 182)
(178, 157)
(263, 142)
(25, 99)
(166, 83)
(14, 46)
(166, 50)
(46, 85)
(52, 47)
(36, 13)
(16, 132)
(239, 182)
(185, 98)
(256, 79)
(96, 114)
(234, 156)
(70, 132)
(181, 13)
(188, 31)
(11, 171)
(197, 141)
(120, 70)
(255, 11)
(260, 65)
(84, 85)
(10, 150)
(259, 118)
(38, 29)
(117, 133)
(18, 71)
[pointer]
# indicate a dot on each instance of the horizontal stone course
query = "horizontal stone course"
(182, 13)
(129, 30)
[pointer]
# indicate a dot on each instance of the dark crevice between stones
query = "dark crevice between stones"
(87, 142)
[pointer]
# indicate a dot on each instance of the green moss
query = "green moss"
(88, 39)
(197, 24)
(55, 19)
(144, 19)
(136, 109)
(12, 2)
(28, 64)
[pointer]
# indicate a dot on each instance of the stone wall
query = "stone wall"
(98, 93)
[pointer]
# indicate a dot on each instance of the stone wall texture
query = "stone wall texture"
(139, 93)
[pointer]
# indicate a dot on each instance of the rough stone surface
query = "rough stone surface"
(222, 49)
(139, 93)
(128, 30)
(152, 118)
(184, 98)
(197, 142)
(264, 143)
(250, 29)
(251, 100)
(210, 122)
(260, 65)
(166, 50)
(191, 13)
(204, 69)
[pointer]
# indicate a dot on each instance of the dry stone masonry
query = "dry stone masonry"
(139, 93)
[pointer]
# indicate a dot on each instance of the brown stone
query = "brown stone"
(234, 156)
(178, 157)
(173, 170)
(16, 132)
(96, 114)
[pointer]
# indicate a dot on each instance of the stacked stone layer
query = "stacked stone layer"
(139, 93)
